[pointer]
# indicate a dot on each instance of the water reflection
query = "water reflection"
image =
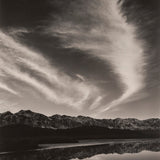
(123, 150)
(144, 155)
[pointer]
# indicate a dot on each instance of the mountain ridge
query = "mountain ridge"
(33, 119)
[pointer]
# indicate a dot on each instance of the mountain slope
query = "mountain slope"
(29, 118)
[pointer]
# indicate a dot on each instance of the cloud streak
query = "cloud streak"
(6, 88)
(107, 36)
(24, 65)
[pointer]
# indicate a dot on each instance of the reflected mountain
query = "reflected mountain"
(84, 152)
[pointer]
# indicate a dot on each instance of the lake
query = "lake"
(139, 149)
(144, 155)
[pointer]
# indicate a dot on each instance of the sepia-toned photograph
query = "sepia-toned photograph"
(79, 79)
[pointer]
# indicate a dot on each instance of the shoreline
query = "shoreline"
(92, 142)
(82, 143)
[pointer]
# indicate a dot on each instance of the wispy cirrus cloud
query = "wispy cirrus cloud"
(6, 88)
(20, 63)
(99, 29)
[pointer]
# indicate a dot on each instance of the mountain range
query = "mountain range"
(32, 119)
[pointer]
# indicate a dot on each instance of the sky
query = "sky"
(97, 58)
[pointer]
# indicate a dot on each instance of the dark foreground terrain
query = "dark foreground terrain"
(27, 129)
(17, 137)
